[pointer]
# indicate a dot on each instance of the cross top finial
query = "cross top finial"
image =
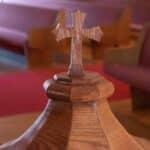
(78, 19)
(76, 33)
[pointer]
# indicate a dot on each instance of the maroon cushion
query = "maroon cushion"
(136, 76)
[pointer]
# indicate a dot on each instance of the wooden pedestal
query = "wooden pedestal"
(77, 117)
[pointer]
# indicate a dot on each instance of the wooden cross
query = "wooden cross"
(76, 33)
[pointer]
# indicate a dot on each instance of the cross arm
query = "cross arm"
(62, 32)
(94, 33)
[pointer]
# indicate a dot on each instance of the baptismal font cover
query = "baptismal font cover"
(77, 115)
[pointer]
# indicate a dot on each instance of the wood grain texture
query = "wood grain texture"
(117, 136)
(86, 131)
(116, 108)
(137, 123)
(69, 125)
(55, 132)
(89, 87)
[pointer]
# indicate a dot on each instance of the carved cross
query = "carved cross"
(76, 33)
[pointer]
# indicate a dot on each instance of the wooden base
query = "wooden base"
(76, 124)
(137, 123)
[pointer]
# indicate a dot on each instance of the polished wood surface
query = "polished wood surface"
(136, 123)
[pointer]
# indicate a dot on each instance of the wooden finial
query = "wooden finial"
(76, 33)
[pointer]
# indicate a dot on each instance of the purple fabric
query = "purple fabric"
(99, 15)
(23, 18)
(145, 52)
(140, 7)
(134, 75)
(13, 36)
(141, 11)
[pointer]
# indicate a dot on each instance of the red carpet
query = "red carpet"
(22, 92)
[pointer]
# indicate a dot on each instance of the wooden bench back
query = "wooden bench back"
(40, 47)
(118, 32)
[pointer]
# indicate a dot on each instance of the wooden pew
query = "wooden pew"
(116, 35)
(17, 20)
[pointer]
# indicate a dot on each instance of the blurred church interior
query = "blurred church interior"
(29, 54)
